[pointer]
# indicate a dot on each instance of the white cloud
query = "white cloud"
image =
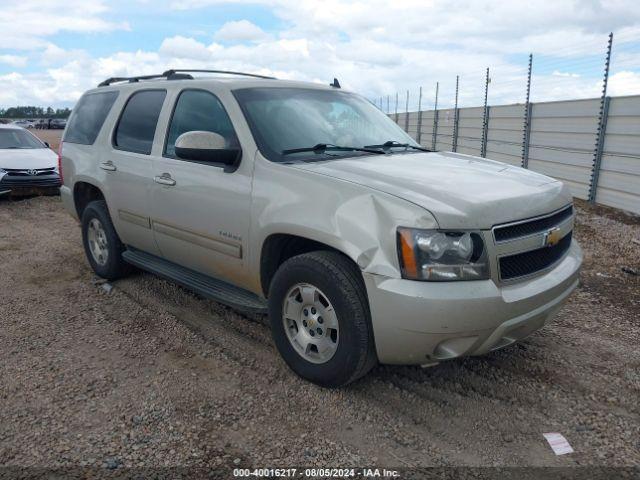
(26, 23)
(13, 60)
(557, 73)
(182, 47)
(54, 55)
(240, 31)
(622, 83)
(375, 47)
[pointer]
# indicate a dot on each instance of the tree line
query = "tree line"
(34, 112)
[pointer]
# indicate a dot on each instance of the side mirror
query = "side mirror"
(46, 144)
(205, 147)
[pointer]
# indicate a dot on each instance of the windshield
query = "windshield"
(286, 119)
(14, 138)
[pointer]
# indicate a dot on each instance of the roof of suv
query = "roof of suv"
(230, 82)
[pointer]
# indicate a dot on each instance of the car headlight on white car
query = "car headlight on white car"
(434, 255)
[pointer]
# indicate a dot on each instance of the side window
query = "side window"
(199, 110)
(88, 116)
(137, 125)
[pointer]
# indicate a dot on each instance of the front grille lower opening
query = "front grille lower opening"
(527, 263)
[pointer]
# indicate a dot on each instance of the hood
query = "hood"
(460, 191)
(28, 158)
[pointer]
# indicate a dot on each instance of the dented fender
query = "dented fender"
(357, 220)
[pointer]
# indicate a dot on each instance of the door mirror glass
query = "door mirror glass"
(203, 146)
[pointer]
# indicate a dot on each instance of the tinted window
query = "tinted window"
(137, 124)
(88, 116)
(199, 110)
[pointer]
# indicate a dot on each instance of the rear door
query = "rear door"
(201, 211)
(129, 168)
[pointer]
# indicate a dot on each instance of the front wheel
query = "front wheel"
(320, 318)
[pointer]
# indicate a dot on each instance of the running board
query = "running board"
(201, 284)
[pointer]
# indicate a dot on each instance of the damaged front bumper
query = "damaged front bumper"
(426, 322)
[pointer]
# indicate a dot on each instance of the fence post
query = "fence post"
(602, 127)
(419, 133)
(526, 138)
(485, 118)
(388, 109)
(456, 118)
(397, 119)
(526, 135)
(406, 118)
(434, 136)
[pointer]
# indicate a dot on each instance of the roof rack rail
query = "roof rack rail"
(111, 80)
(227, 72)
(176, 74)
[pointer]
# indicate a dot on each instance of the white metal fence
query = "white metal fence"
(562, 141)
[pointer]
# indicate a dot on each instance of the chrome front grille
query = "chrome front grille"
(527, 263)
(529, 227)
(533, 245)
(24, 172)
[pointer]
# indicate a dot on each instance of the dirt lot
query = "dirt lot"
(151, 375)
(51, 136)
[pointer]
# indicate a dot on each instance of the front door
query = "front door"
(200, 211)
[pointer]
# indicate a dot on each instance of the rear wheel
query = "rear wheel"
(320, 318)
(102, 245)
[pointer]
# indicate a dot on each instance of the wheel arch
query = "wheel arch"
(277, 248)
(83, 194)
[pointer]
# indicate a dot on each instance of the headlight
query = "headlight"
(442, 256)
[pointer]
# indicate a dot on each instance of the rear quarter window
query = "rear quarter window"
(88, 117)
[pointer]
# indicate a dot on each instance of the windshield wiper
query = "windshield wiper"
(324, 147)
(392, 144)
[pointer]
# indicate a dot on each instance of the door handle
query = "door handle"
(165, 179)
(108, 165)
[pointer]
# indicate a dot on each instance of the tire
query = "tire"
(111, 264)
(339, 283)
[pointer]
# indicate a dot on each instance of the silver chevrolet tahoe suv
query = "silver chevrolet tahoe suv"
(307, 202)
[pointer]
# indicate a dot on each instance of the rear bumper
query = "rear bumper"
(67, 200)
(425, 322)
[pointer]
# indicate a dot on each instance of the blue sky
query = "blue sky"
(148, 31)
(51, 51)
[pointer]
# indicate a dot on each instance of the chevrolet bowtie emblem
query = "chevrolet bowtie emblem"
(551, 238)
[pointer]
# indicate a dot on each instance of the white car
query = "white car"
(27, 164)
(24, 123)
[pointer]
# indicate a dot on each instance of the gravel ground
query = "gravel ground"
(151, 375)
(51, 136)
